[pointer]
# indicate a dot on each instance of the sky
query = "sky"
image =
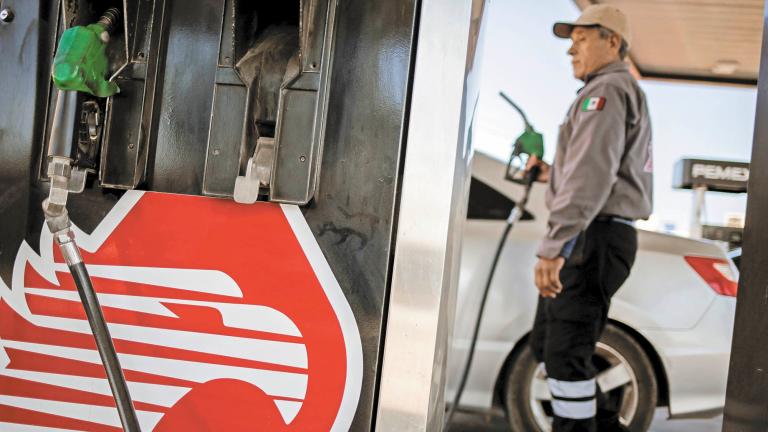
(525, 60)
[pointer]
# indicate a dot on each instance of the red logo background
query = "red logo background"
(254, 245)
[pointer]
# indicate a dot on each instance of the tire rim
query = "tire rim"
(616, 378)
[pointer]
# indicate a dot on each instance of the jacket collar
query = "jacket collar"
(618, 66)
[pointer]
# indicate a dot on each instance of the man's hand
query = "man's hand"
(547, 276)
(544, 167)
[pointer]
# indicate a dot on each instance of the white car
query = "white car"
(669, 336)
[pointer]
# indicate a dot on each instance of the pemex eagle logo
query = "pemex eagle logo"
(225, 317)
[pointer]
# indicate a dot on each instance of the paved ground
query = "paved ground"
(495, 423)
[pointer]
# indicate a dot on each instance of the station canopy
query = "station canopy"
(696, 40)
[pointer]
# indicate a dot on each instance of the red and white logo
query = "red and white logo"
(226, 317)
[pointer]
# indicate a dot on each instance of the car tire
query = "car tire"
(638, 396)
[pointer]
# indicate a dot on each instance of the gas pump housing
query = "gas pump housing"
(356, 113)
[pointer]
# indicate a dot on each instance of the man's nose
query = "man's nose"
(572, 50)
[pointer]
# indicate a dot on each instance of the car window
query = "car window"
(487, 203)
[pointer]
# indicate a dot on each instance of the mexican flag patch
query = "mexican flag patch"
(593, 104)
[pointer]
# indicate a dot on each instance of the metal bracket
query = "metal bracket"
(300, 129)
(63, 176)
(64, 180)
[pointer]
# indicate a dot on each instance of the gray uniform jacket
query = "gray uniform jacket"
(603, 164)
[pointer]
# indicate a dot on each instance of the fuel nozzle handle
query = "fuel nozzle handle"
(81, 61)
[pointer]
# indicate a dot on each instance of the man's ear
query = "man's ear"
(615, 41)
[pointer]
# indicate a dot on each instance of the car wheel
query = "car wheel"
(625, 376)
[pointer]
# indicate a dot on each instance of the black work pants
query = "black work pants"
(566, 328)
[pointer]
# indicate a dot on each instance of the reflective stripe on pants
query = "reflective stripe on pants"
(572, 389)
(573, 399)
(576, 410)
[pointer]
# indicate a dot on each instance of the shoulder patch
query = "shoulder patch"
(593, 104)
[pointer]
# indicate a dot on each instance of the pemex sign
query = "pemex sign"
(719, 176)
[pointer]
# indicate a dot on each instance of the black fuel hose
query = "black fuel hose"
(106, 348)
(514, 216)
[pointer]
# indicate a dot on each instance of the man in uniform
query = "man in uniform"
(599, 184)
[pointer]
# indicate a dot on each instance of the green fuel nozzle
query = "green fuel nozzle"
(529, 143)
(81, 62)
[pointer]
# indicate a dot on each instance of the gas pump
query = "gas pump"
(237, 180)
